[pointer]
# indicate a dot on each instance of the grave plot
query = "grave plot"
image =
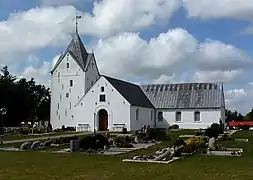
(167, 155)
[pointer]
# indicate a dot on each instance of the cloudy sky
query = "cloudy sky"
(144, 41)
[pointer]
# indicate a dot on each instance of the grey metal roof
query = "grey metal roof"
(77, 50)
(185, 95)
(131, 92)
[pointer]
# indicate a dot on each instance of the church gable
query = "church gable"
(77, 50)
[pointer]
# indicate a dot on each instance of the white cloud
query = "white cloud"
(170, 54)
(216, 9)
(109, 17)
(240, 99)
(219, 76)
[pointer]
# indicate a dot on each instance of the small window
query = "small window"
(160, 116)
(178, 116)
(62, 86)
(67, 65)
(197, 116)
(56, 112)
(71, 83)
(58, 74)
(66, 112)
(60, 97)
(58, 105)
(102, 98)
(137, 114)
(67, 95)
(102, 89)
(69, 105)
(59, 117)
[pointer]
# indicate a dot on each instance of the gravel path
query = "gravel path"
(46, 137)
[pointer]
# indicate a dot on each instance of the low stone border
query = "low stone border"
(228, 152)
(152, 161)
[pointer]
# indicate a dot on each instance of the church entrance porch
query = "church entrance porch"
(102, 120)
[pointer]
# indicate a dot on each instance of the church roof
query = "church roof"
(185, 95)
(131, 92)
(77, 50)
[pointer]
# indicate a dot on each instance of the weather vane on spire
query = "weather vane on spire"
(76, 19)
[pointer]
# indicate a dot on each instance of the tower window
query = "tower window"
(67, 65)
(91, 82)
(102, 98)
(71, 83)
(67, 95)
(102, 89)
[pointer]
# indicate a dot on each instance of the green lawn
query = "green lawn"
(38, 165)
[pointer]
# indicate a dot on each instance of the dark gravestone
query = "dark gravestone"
(47, 143)
(35, 145)
(25, 146)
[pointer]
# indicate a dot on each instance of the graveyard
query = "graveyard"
(171, 154)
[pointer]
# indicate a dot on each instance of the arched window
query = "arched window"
(160, 116)
(197, 116)
(178, 117)
(137, 114)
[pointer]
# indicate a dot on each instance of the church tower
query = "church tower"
(71, 77)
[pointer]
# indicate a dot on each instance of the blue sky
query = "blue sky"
(189, 42)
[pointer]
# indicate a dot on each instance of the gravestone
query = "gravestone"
(212, 144)
(25, 146)
(35, 145)
(47, 143)
(74, 145)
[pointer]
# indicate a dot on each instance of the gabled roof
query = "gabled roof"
(131, 92)
(77, 50)
(185, 95)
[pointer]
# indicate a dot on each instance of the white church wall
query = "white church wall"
(207, 117)
(92, 74)
(67, 88)
(117, 107)
(141, 116)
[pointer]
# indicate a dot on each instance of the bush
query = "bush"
(124, 131)
(24, 131)
(213, 131)
(174, 126)
(96, 142)
(179, 142)
(124, 141)
(65, 140)
(245, 127)
(63, 127)
(158, 134)
(70, 129)
(226, 137)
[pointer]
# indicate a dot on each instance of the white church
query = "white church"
(83, 98)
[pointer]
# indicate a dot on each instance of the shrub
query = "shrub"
(124, 131)
(245, 127)
(158, 134)
(24, 130)
(174, 126)
(124, 141)
(63, 127)
(179, 142)
(70, 129)
(213, 131)
(96, 142)
(226, 137)
(65, 140)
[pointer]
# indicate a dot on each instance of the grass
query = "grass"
(38, 165)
